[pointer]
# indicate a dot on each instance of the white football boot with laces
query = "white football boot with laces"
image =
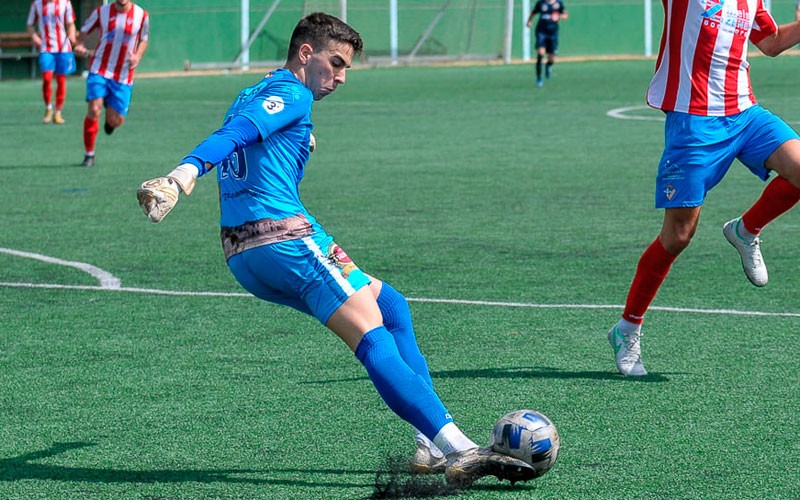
(627, 352)
(749, 248)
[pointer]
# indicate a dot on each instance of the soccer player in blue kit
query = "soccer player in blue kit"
(546, 32)
(278, 252)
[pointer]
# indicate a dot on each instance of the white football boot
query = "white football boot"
(749, 248)
(627, 352)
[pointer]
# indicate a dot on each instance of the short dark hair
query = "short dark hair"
(318, 29)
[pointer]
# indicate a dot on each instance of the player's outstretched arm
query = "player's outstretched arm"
(788, 36)
(158, 196)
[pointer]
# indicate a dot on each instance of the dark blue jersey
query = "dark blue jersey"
(546, 9)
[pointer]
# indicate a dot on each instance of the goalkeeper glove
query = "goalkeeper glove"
(158, 197)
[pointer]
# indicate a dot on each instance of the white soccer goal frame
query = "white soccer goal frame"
(248, 36)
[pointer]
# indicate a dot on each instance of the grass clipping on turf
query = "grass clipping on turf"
(396, 481)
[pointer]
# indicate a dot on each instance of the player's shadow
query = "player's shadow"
(522, 372)
(22, 468)
(543, 372)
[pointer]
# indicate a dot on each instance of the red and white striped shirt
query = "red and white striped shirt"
(702, 66)
(120, 34)
(51, 19)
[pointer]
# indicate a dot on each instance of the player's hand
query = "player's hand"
(312, 144)
(158, 197)
(134, 59)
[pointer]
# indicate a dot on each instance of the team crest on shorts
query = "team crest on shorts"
(670, 191)
(338, 257)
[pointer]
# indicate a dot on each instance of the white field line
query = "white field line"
(106, 279)
(622, 114)
(485, 303)
(109, 282)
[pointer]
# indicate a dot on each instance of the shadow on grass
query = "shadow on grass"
(20, 468)
(545, 372)
(523, 372)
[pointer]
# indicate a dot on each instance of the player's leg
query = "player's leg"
(341, 298)
(414, 400)
(61, 96)
(47, 92)
(117, 104)
(541, 41)
(65, 65)
(315, 276)
(676, 232)
(397, 319)
(552, 49)
(90, 128)
(114, 120)
(771, 145)
(319, 273)
(359, 323)
(782, 193)
(686, 171)
(96, 91)
(47, 66)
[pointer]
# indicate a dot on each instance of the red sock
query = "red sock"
(61, 91)
(90, 128)
(778, 197)
(47, 87)
(654, 265)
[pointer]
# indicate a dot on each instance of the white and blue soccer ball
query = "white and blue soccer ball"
(529, 436)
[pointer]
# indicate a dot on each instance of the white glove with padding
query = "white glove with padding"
(158, 196)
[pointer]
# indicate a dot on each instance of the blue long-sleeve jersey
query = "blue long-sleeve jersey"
(261, 151)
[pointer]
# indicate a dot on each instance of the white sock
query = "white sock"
(450, 439)
(626, 327)
(422, 438)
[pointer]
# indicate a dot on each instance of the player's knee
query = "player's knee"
(394, 307)
(115, 120)
(677, 241)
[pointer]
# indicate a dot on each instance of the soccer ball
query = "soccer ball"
(529, 436)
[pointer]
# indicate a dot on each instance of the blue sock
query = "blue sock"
(397, 319)
(405, 392)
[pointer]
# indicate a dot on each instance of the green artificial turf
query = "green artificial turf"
(454, 184)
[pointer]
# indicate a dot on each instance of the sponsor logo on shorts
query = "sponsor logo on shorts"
(340, 259)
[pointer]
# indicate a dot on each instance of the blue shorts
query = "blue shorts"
(114, 94)
(699, 150)
(313, 274)
(61, 63)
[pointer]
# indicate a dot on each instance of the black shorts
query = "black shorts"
(547, 40)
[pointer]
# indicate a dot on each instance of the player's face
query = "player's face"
(327, 68)
(122, 3)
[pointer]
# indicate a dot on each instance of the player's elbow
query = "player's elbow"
(770, 51)
(771, 46)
